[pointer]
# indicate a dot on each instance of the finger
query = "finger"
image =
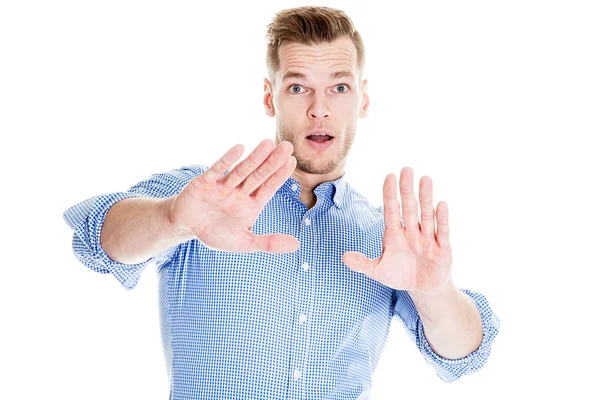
(272, 243)
(249, 164)
(409, 202)
(426, 204)
(391, 206)
(443, 228)
(217, 170)
(277, 158)
(358, 262)
(266, 191)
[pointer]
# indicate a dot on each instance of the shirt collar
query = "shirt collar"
(332, 190)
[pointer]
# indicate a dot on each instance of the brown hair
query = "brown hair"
(310, 25)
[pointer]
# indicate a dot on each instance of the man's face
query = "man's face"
(317, 90)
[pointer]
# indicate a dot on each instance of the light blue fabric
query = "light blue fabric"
(299, 325)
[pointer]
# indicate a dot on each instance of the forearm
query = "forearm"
(451, 322)
(137, 229)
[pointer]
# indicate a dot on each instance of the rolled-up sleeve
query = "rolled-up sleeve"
(449, 369)
(87, 218)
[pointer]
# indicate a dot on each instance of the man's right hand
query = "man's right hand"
(220, 209)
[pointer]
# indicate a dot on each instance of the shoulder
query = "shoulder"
(354, 199)
(360, 210)
(365, 221)
(192, 170)
(183, 174)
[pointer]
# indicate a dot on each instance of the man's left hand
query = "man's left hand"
(414, 258)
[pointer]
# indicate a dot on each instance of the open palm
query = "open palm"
(220, 210)
(414, 257)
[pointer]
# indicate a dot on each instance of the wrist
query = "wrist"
(447, 291)
(165, 205)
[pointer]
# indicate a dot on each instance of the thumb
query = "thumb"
(272, 243)
(358, 262)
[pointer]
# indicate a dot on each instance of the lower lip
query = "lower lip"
(320, 146)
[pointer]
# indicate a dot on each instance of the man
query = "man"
(276, 278)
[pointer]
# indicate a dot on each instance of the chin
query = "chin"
(316, 167)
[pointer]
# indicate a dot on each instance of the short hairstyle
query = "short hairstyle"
(310, 25)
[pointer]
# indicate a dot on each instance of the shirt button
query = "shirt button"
(294, 187)
(307, 221)
(297, 374)
(302, 318)
(305, 266)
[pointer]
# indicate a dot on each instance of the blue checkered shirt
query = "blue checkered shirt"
(299, 325)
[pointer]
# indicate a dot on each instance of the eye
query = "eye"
(344, 87)
(296, 89)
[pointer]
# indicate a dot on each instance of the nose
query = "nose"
(319, 109)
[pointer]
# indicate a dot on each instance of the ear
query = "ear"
(268, 99)
(364, 106)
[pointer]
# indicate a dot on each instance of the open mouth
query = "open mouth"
(319, 137)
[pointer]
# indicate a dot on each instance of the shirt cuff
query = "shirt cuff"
(87, 223)
(452, 369)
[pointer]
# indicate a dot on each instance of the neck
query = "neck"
(308, 183)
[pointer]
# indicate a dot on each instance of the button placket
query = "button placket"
(304, 300)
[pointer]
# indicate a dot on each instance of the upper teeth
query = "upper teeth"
(319, 134)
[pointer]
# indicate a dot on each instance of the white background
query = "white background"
(498, 102)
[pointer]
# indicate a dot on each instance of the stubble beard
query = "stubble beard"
(312, 166)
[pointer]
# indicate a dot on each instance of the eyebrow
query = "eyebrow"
(333, 75)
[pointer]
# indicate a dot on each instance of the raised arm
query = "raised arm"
(217, 209)
(136, 229)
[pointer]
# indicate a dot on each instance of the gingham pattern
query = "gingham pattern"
(299, 325)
